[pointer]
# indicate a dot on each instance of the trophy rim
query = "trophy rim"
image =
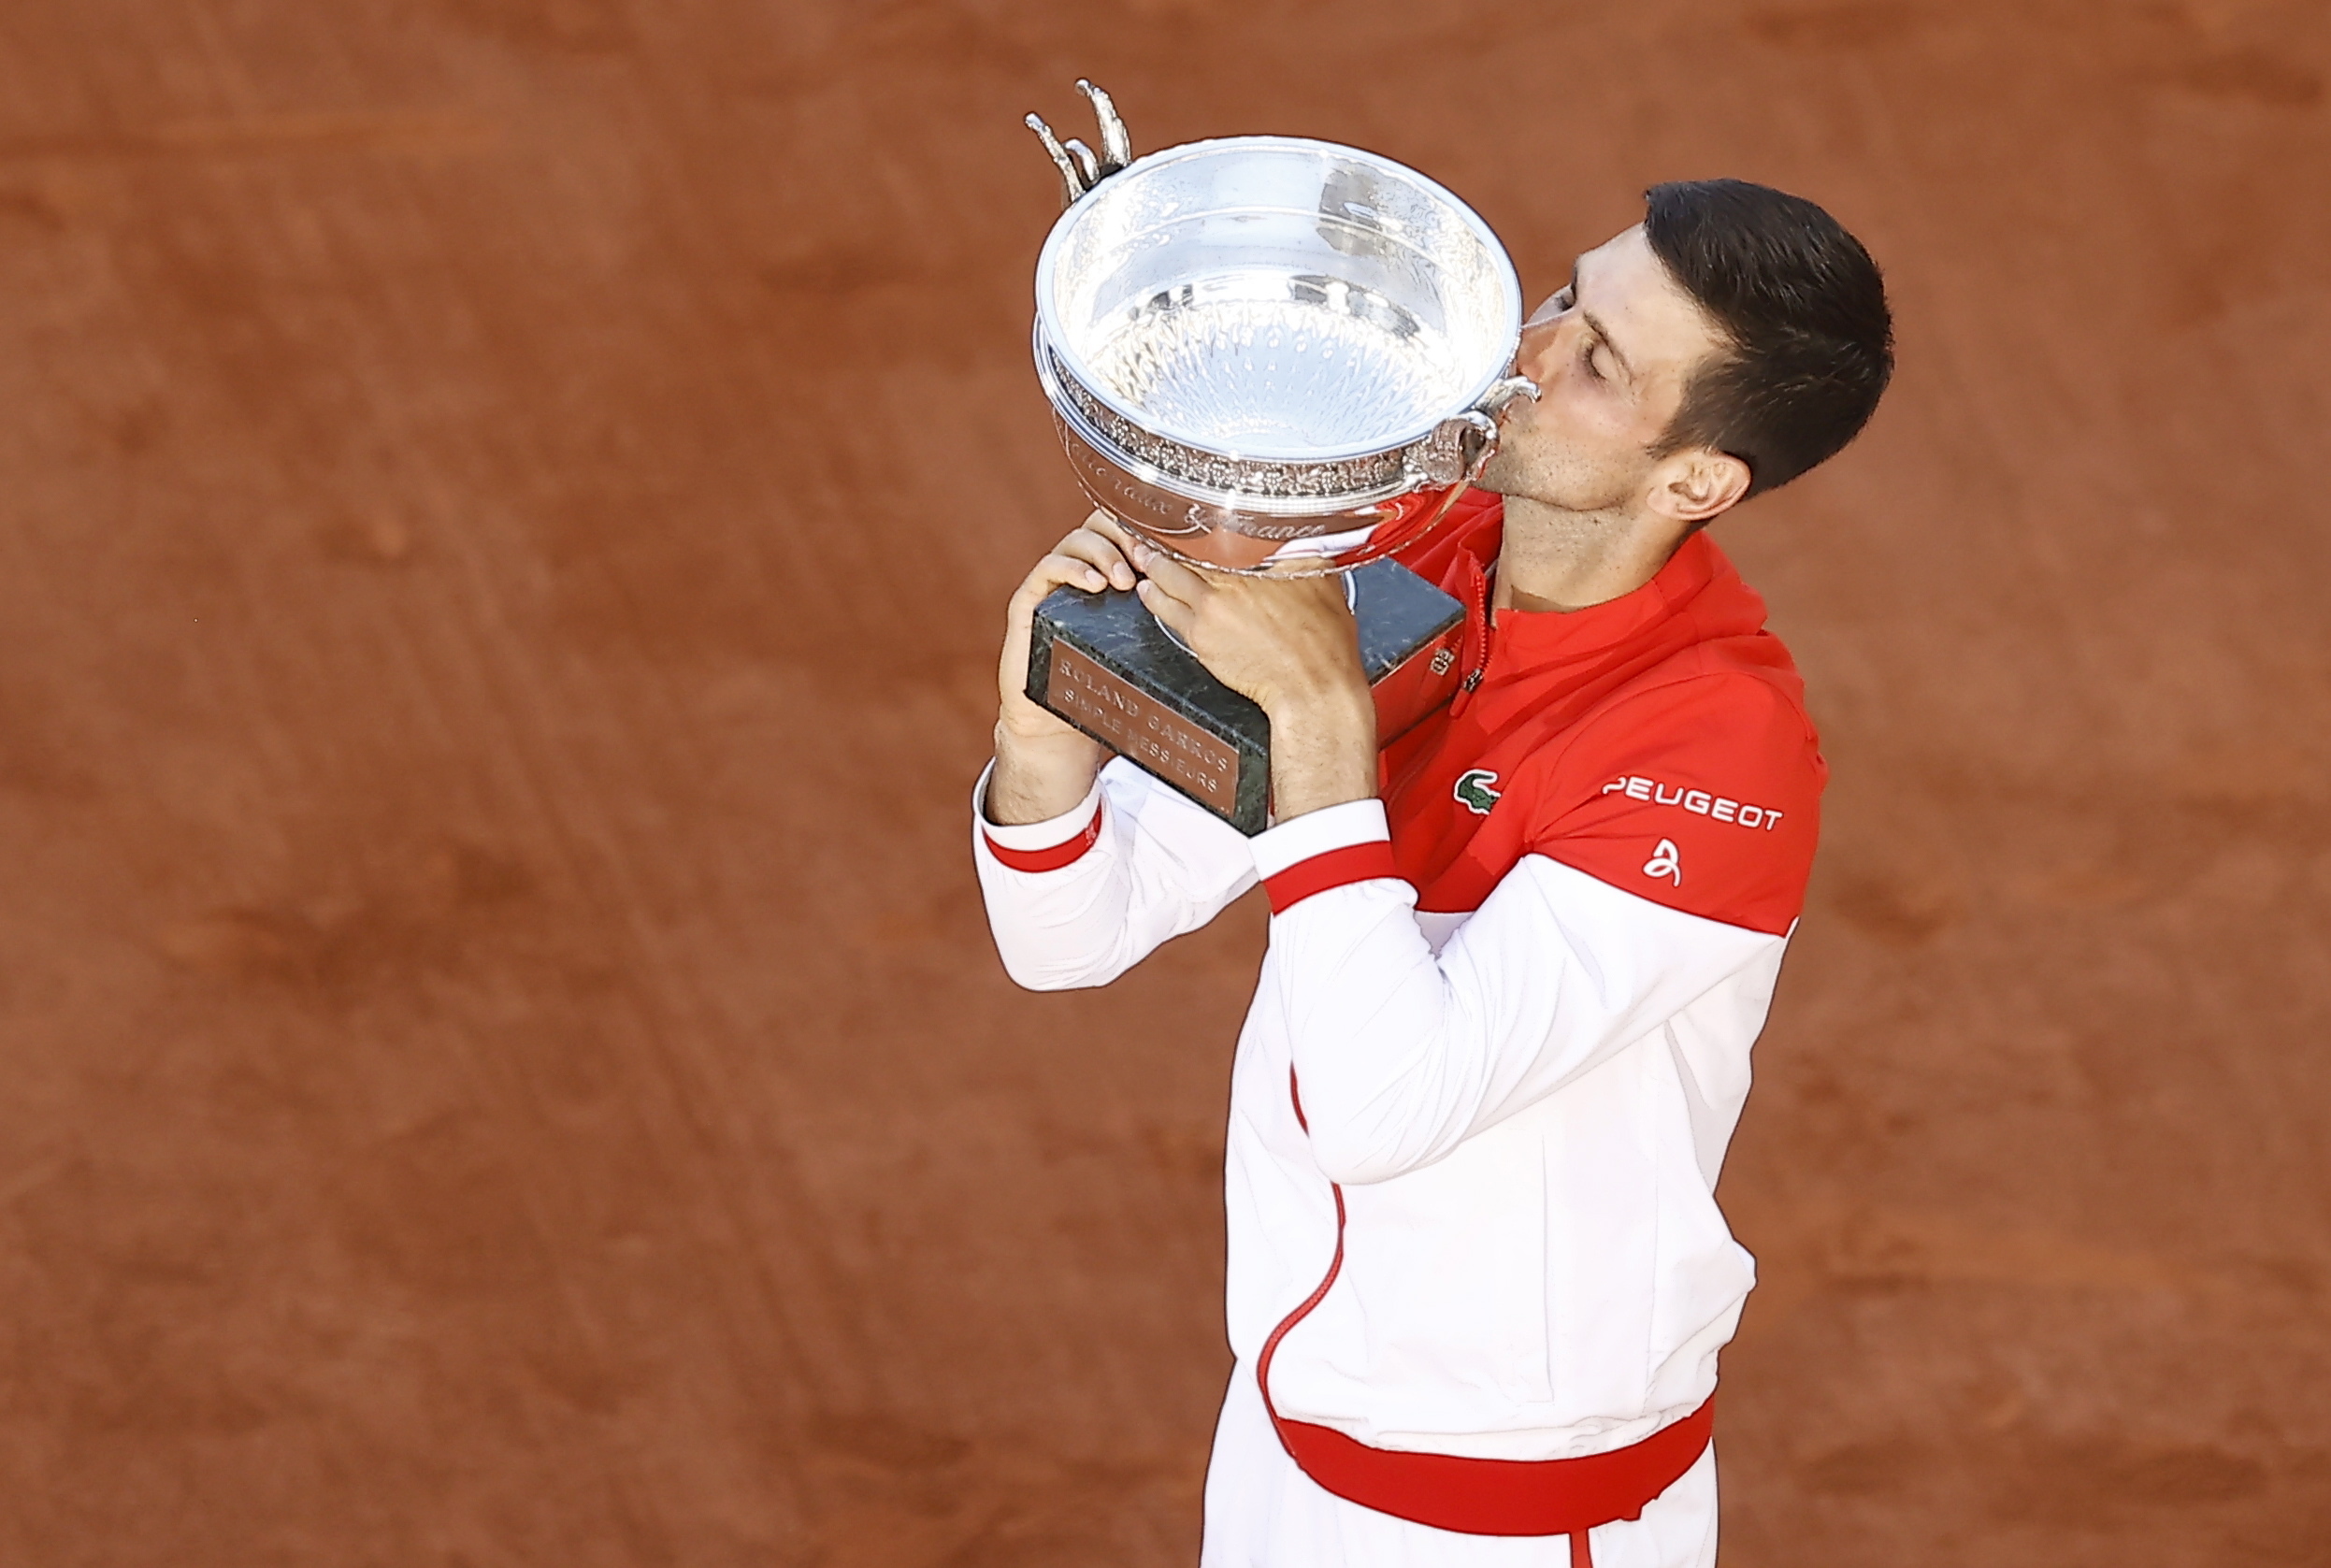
(1233, 497)
(1049, 336)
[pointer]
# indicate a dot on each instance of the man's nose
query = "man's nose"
(1540, 338)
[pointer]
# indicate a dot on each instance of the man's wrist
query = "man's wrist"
(1337, 708)
(1038, 777)
(1323, 751)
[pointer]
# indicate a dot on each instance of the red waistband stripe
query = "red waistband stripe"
(1053, 858)
(1502, 1497)
(1334, 868)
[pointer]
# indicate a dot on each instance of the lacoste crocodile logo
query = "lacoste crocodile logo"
(1474, 791)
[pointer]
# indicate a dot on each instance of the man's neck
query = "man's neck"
(1562, 561)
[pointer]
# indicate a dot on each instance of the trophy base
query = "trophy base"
(1102, 662)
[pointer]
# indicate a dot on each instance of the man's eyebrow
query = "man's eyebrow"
(1594, 323)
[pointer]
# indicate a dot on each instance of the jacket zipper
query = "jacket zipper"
(1480, 611)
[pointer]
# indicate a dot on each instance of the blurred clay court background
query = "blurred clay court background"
(505, 507)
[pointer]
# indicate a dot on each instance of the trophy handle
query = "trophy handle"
(1505, 392)
(1461, 445)
(1081, 168)
(1116, 147)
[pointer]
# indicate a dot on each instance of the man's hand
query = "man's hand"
(1044, 764)
(1289, 644)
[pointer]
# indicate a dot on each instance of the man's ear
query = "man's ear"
(1696, 486)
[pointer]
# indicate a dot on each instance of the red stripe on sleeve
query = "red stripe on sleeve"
(1333, 867)
(1051, 860)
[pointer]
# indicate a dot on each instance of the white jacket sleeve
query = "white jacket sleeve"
(1400, 1054)
(1105, 886)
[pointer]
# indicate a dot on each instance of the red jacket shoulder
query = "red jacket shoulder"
(1698, 786)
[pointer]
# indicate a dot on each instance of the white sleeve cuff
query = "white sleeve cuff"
(1297, 839)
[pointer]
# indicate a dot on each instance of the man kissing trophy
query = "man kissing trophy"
(1535, 807)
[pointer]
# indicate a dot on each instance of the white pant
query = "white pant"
(1263, 1512)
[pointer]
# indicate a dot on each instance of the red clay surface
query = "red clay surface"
(506, 506)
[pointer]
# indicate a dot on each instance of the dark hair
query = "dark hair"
(1809, 341)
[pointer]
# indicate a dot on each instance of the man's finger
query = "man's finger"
(1051, 572)
(1077, 572)
(1088, 567)
(1096, 551)
(1108, 527)
(1183, 582)
(1172, 614)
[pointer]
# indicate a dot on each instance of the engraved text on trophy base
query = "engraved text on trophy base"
(1142, 729)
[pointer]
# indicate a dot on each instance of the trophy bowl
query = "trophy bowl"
(1272, 354)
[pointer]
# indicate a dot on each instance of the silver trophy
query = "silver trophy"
(1271, 355)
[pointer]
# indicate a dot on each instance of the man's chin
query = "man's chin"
(1496, 476)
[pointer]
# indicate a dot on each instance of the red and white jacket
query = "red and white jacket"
(1503, 1029)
